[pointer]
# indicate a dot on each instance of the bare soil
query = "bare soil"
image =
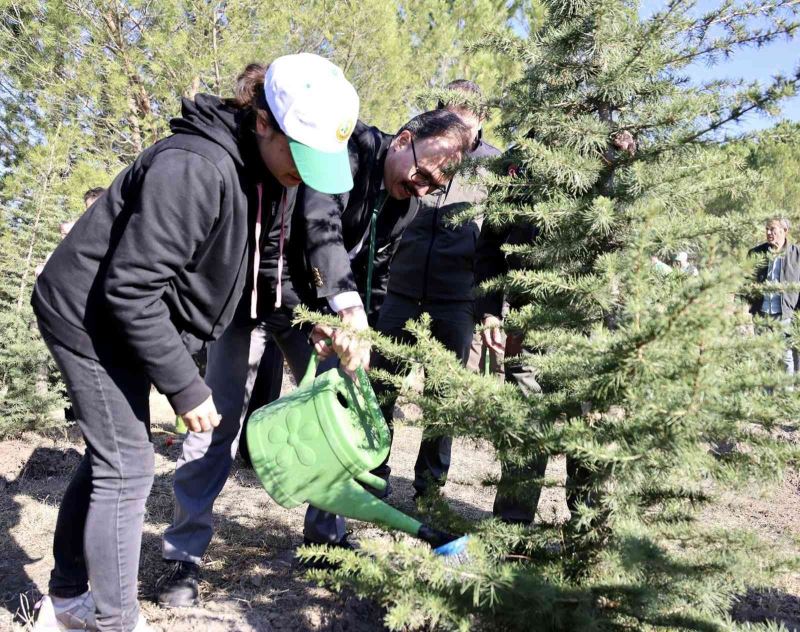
(251, 579)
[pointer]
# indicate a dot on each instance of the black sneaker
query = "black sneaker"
(179, 586)
(319, 563)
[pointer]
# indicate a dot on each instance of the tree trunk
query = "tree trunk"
(39, 203)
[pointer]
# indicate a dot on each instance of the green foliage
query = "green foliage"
(28, 389)
(643, 375)
(776, 156)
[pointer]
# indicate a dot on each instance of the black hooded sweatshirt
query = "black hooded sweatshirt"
(157, 265)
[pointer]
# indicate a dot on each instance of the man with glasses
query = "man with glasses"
(433, 272)
(342, 245)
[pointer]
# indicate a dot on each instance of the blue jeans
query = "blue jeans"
(206, 458)
(98, 533)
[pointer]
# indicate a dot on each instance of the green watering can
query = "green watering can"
(318, 443)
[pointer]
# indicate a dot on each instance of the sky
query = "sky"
(758, 64)
(750, 64)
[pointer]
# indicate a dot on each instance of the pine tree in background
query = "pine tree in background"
(775, 154)
(645, 375)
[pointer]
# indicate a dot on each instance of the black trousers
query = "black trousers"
(520, 486)
(452, 324)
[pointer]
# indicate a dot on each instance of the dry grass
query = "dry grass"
(251, 578)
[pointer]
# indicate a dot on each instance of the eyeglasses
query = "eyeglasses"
(424, 179)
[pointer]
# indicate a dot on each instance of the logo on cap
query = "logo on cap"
(344, 130)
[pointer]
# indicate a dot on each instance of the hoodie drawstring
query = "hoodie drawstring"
(257, 253)
(256, 256)
(279, 289)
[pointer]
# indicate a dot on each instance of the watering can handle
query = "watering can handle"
(311, 371)
(313, 365)
(373, 408)
(363, 384)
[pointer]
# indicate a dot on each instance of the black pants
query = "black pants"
(452, 324)
(520, 486)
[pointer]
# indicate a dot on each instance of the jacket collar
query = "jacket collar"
(380, 160)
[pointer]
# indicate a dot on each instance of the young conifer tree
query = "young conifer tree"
(646, 375)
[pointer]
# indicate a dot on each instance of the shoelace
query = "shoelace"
(174, 571)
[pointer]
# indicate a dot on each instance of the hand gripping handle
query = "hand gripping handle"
(362, 383)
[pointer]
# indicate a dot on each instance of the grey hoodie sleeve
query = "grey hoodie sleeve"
(178, 203)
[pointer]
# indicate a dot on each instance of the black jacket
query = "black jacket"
(436, 260)
(492, 262)
(157, 265)
(325, 228)
(790, 273)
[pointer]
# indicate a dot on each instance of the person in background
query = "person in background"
(328, 232)
(781, 264)
(659, 266)
(681, 264)
(89, 197)
(433, 272)
(520, 486)
(151, 272)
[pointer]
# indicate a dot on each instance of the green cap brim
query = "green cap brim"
(325, 172)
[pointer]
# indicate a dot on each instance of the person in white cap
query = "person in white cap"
(206, 457)
(681, 263)
(150, 273)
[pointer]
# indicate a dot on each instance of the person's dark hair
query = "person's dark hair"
(437, 124)
(92, 194)
(462, 85)
(249, 95)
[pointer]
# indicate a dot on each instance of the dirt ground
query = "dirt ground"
(251, 580)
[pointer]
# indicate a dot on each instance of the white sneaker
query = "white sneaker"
(57, 614)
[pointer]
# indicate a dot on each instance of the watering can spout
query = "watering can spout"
(352, 500)
(318, 445)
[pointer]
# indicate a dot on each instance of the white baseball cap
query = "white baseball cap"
(317, 108)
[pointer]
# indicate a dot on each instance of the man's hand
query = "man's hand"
(624, 141)
(492, 334)
(352, 352)
(202, 418)
(319, 337)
